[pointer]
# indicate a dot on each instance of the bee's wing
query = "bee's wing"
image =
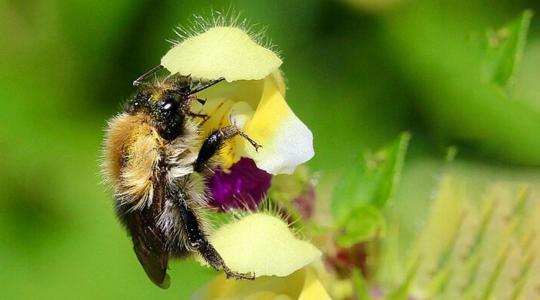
(150, 252)
(154, 263)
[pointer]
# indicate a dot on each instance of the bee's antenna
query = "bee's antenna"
(204, 87)
(141, 78)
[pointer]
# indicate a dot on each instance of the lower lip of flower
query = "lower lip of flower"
(244, 186)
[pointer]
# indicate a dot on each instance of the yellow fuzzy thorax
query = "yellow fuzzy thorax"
(158, 90)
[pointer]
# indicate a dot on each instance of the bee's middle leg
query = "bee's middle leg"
(200, 243)
(215, 141)
(185, 107)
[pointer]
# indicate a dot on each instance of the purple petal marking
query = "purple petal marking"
(242, 187)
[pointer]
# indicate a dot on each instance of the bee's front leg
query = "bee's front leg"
(215, 141)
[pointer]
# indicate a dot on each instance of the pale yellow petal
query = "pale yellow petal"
(231, 152)
(286, 141)
(249, 91)
(240, 114)
(218, 113)
(303, 284)
(227, 52)
(313, 288)
(277, 76)
(262, 244)
(265, 287)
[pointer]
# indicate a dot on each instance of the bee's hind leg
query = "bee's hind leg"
(209, 253)
(198, 241)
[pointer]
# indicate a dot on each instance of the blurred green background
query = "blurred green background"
(359, 72)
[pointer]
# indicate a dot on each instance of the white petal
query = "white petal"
(286, 141)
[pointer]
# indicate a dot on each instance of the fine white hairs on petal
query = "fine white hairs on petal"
(200, 24)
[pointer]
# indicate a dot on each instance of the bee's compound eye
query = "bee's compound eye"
(168, 118)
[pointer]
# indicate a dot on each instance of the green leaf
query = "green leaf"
(360, 197)
(391, 160)
(369, 181)
(362, 224)
(505, 49)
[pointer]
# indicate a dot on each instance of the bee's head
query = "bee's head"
(167, 103)
(164, 106)
(167, 115)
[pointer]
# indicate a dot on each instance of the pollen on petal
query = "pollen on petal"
(243, 187)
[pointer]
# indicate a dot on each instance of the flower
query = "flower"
(251, 98)
(286, 267)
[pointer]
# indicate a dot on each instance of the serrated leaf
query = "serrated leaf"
(369, 181)
(505, 49)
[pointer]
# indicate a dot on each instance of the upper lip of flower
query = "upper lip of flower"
(252, 98)
(222, 51)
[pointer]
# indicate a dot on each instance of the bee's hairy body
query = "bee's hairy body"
(156, 164)
(148, 170)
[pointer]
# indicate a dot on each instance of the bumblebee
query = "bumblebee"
(154, 163)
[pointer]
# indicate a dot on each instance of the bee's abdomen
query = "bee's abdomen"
(131, 158)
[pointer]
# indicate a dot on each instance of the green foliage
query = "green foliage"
(459, 106)
(361, 224)
(365, 190)
(355, 78)
(475, 243)
(403, 292)
(360, 285)
(504, 50)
